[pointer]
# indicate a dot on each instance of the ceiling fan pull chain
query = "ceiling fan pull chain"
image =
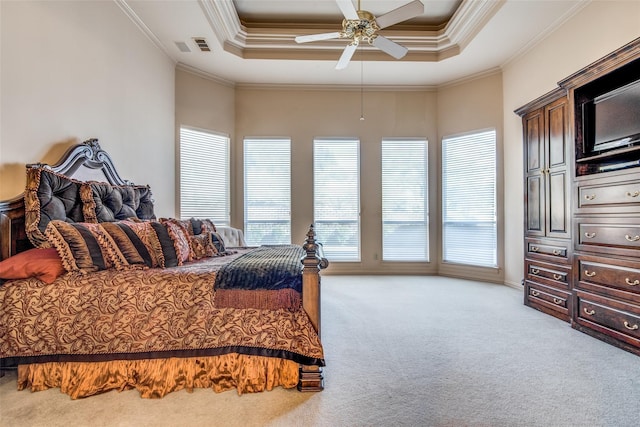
(361, 85)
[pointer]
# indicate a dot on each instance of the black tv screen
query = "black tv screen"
(616, 118)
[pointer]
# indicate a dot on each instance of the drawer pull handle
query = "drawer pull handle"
(556, 252)
(534, 292)
(590, 196)
(634, 194)
(631, 328)
(589, 273)
(534, 249)
(630, 283)
(558, 301)
(632, 239)
(534, 270)
(589, 312)
(589, 235)
(557, 276)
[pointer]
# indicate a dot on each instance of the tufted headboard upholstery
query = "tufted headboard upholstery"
(83, 186)
(113, 202)
(49, 196)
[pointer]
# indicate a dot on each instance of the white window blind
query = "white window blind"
(267, 191)
(336, 197)
(405, 218)
(469, 199)
(204, 175)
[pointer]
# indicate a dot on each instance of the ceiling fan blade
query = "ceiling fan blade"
(408, 11)
(316, 37)
(390, 47)
(347, 8)
(347, 53)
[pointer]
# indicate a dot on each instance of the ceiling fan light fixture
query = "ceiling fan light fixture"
(362, 26)
(362, 29)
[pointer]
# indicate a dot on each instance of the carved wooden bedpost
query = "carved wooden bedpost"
(311, 378)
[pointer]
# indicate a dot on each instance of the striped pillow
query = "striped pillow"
(84, 247)
(180, 234)
(130, 245)
(147, 234)
(88, 247)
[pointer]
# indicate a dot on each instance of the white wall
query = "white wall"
(73, 70)
(599, 28)
(204, 103)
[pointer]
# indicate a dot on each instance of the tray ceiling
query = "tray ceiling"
(251, 42)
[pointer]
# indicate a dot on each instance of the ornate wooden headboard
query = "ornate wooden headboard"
(83, 162)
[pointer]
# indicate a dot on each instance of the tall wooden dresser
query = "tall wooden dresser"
(586, 271)
(547, 160)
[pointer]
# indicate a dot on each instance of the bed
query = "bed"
(98, 294)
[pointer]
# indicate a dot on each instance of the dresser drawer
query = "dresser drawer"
(610, 317)
(547, 299)
(619, 236)
(555, 251)
(614, 194)
(608, 273)
(554, 275)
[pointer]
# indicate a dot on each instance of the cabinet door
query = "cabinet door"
(558, 185)
(533, 130)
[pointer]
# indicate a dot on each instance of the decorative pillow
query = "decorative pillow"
(202, 246)
(146, 233)
(84, 247)
(118, 202)
(44, 264)
(218, 243)
(49, 196)
(129, 244)
(166, 243)
(142, 194)
(208, 225)
(179, 232)
(199, 226)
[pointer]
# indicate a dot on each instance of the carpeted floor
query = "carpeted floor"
(400, 351)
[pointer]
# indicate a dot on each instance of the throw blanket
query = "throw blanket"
(267, 267)
(269, 277)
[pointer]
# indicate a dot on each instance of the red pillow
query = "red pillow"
(45, 264)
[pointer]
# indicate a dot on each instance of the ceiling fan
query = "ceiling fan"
(361, 26)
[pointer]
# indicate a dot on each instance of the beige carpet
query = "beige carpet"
(401, 351)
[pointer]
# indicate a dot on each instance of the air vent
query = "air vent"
(182, 47)
(202, 44)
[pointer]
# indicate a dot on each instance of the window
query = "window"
(336, 197)
(267, 191)
(469, 225)
(204, 175)
(405, 218)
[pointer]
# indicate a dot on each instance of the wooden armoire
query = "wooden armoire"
(582, 199)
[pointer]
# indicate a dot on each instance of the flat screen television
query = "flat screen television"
(613, 119)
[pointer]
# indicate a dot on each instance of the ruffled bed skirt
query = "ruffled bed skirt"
(154, 378)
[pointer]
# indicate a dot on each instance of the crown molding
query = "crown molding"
(124, 6)
(269, 41)
(468, 79)
(469, 19)
(548, 31)
(198, 72)
(336, 87)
